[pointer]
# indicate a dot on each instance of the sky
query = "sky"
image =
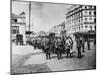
(44, 16)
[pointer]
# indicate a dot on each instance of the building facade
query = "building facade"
(58, 29)
(80, 18)
(18, 26)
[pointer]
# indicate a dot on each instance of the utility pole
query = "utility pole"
(29, 16)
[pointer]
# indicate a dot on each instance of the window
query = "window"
(95, 20)
(86, 11)
(85, 26)
(95, 27)
(17, 31)
(80, 14)
(90, 13)
(81, 26)
(81, 19)
(90, 18)
(85, 7)
(90, 27)
(95, 7)
(90, 7)
(13, 31)
(15, 20)
(94, 13)
(85, 18)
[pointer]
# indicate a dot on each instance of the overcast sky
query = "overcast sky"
(44, 16)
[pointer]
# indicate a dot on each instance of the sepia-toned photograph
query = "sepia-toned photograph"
(52, 37)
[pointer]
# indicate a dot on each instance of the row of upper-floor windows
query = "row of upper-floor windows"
(89, 7)
(89, 12)
(79, 15)
(75, 15)
(82, 28)
(74, 19)
(80, 8)
(91, 19)
(86, 19)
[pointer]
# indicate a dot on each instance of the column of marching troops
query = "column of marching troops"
(61, 46)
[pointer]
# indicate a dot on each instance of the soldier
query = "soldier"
(83, 42)
(56, 46)
(63, 43)
(35, 43)
(88, 43)
(67, 46)
(79, 43)
(43, 43)
(71, 46)
(59, 48)
(47, 48)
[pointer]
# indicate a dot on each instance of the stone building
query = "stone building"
(80, 18)
(18, 26)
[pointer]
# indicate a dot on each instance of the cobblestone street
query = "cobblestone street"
(30, 60)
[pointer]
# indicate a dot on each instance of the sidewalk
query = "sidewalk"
(24, 50)
(20, 54)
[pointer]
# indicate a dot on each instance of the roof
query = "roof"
(21, 15)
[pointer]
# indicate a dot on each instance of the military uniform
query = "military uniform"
(67, 47)
(83, 42)
(59, 48)
(79, 43)
(47, 48)
(47, 51)
(35, 43)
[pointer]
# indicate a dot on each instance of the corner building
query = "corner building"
(80, 18)
(18, 26)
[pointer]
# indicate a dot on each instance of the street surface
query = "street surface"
(27, 60)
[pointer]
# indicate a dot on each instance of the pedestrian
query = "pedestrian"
(67, 46)
(79, 43)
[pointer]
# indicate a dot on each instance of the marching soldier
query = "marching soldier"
(67, 46)
(88, 43)
(47, 48)
(71, 46)
(79, 43)
(59, 48)
(35, 43)
(43, 43)
(83, 42)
